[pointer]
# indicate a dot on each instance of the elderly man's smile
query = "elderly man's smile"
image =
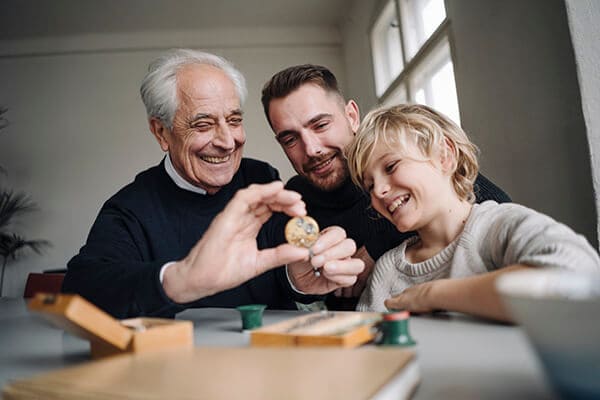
(215, 160)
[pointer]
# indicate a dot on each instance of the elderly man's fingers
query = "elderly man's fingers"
(340, 250)
(258, 193)
(261, 211)
(271, 194)
(297, 209)
(286, 201)
(259, 197)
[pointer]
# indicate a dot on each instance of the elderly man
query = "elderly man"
(313, 124)
(195, 230)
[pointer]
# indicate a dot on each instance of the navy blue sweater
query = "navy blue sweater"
(152, 221)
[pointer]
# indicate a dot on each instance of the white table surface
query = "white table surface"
(459, 357)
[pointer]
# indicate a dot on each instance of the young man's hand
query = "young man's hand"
(332, 258)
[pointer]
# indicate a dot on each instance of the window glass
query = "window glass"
(420, 96)
(433, 14)
(422, 70)
(420, 18)
(433, 82)
(443, 90)
(386, 48)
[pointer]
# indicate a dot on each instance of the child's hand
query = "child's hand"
(474, 295)
(416, 299)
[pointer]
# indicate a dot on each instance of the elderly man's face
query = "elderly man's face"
(313, 127)
(207, 138)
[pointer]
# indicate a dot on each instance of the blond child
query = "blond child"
(419, 168)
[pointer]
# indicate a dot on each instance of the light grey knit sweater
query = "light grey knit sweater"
(495, 236)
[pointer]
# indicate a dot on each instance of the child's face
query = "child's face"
(406, 187)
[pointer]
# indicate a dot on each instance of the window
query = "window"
(387, 48)
(411, 55)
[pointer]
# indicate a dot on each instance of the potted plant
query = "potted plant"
(11, 206)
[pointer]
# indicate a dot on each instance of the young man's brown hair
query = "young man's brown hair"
(286, 81)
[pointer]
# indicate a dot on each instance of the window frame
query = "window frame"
(379, 60)
(441, 34)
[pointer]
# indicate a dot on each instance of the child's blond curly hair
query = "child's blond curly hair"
(422, 126)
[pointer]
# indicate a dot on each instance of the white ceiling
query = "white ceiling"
(34, 18)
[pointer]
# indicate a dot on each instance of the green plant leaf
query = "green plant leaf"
(13, 204)
(3, 120)
(3, 124)
(10, 244)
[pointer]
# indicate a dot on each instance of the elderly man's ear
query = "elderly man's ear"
(160, 132)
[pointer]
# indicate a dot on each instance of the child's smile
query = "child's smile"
(400, 201)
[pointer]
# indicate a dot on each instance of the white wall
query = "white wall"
(520, 101)
(357, 54)
(584, 17)
(519, 98)
(78, 128)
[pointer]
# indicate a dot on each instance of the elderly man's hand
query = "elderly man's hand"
(227, 255)
(332, 256)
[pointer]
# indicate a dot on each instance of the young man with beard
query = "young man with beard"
(313, 124)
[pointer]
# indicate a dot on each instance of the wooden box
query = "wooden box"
(109, 336)
(326, 328)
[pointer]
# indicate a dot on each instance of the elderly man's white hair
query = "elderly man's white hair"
(159, 86)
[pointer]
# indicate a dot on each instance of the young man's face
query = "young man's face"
(207, 138)
(313, 127)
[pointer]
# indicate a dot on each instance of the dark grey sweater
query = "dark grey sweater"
(152, 221)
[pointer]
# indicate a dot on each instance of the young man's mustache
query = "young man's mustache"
(315, 161)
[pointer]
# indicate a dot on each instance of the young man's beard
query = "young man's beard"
(334, 179)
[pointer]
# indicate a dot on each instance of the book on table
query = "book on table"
(226, 373)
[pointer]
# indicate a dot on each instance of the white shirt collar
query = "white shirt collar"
(179, 181)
